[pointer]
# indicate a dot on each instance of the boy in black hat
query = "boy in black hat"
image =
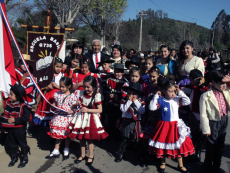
(132, 108)
(134, 61)
(194, 90)
(106, 66)
(103, 75)
(14, 121)
(113, 95)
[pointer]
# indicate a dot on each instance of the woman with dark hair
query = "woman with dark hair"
(187, 62)
(116, 55)
(165, 62)
(77, 48)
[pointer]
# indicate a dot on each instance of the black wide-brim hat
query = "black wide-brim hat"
(106, 59)
(18, 90)
(119, 66)
(133, 86)
(134, 61)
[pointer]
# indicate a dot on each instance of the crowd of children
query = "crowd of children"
(139, 103)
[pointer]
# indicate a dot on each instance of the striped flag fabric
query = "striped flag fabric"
(7, 67)
(9, 63)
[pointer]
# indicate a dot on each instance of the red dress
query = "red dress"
(87, 125)
(171, 137)
(79, 77)
(59, 123)
(43, 114)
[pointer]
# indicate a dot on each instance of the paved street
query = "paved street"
(41, 145)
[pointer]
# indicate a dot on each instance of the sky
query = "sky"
(201, 12)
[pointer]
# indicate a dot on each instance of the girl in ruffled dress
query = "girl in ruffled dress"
(171, 137)
(59, 124)
(86, 125)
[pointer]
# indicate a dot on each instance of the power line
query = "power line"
(177, 12)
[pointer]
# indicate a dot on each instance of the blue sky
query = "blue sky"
(202, 12)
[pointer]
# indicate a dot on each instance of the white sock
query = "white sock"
(66, 151)
(55, 151)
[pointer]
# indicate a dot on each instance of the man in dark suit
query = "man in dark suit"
(96, 55)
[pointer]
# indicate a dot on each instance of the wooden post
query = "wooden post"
(48, 24)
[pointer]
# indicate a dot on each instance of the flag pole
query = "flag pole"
(22, 58)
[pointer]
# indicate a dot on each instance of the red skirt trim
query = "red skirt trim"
(186, 149)
(89, 133)
(56, 136)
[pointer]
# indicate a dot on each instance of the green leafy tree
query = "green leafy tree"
(99, 14)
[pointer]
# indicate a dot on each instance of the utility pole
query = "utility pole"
(141, 14)
(150, 37)
(213, 34)
(157, 42)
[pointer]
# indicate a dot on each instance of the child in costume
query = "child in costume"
(170, 137)
(86, 125)
(79, 77)
(194, 91)
(214, 108)
(149, 63)
(132, 108)
(15, 117)
(103, 75)
(43, 115)
(135, 76)
(150, 118)
(113, 96)
(59, 124)
(73, 67)
(133, 62)
(24, 79)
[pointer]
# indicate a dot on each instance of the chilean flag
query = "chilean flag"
(7, 67)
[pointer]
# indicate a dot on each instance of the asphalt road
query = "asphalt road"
(41, 145)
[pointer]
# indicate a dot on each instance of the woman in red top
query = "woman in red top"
(79, 77)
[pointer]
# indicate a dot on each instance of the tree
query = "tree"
(10, 4)
(101, 13)
(65, 10)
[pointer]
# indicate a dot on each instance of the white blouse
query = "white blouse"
(194, 63)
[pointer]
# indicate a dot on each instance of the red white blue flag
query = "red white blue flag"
(7, 68)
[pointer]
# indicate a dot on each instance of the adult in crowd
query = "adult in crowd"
(187, 62)
(116, 55)
(95, 56)
(77, 48)
(214, 61)
(173, 54)
(165, 62)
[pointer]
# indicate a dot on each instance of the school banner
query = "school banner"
(43, 48)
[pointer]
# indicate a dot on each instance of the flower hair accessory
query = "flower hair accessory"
(86, 61)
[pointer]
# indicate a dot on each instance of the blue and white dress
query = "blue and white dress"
(171, 137)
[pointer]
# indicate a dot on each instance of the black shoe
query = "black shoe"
(23, 162)
(90, 163)
(25, 150)
(51, 156)
(14, 159)
(119, 158)
(65, 157)
(79, 161)
(180, 169)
